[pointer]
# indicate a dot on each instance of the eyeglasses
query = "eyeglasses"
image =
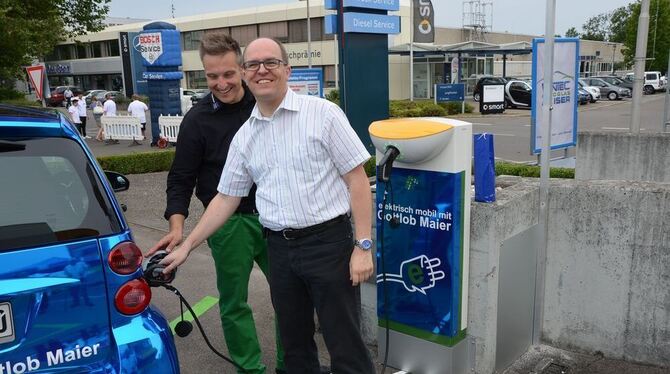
(270, 64)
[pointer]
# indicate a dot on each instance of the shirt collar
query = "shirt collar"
(290, 102)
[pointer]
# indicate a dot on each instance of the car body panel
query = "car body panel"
(518, 93)
(54, 274)
(57, 96)
(486, 80)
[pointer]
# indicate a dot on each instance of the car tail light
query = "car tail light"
(125, 258)
(133, 297)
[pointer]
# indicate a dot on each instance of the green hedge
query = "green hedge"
(152, 162)
(138, 163)
(425, 108)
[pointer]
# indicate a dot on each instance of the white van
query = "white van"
(653, 81)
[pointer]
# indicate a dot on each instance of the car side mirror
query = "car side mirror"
(118, 181)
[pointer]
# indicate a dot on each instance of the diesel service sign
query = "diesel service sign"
(563, 96)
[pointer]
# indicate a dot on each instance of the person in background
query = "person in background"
(67, 94)
(138, 109)
(74, 114)
(81, 106)
(108, 109)
(96, 108)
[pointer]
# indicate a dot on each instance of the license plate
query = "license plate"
(6, 323)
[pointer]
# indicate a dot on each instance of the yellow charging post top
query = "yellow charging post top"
(404, 128)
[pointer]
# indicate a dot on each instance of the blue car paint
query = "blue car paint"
(63, 305)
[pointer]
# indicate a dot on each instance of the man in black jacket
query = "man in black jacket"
(204, 138)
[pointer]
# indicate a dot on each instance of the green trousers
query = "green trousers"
(235, 247)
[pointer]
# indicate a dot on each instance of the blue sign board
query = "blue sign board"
(371, 23)
(449, 92)
(307, 81)
(393, 5)
(330, 24)
(330, 4)
(423, 266)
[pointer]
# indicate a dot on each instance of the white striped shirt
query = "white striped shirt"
(297, 158)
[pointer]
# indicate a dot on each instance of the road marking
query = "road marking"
(199, 308)
(482, 124)
(618, 128)
(504, 134)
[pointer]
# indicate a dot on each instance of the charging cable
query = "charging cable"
(153, 274)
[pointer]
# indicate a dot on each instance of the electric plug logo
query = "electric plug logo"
(417, 274)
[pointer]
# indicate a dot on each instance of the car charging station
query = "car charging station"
(423, 234)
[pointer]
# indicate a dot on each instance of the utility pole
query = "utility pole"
(640, 59)
(613, 51)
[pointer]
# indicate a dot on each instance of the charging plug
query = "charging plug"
(386, 163)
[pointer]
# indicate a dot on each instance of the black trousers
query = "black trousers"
(82, 126)
(312, 273)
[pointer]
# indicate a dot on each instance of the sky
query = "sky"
(513, 16)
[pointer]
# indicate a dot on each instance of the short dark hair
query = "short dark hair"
(284, 54)
(217, 43)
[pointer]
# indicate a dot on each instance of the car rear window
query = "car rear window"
(50, 193)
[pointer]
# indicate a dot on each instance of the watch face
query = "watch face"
(366, 244)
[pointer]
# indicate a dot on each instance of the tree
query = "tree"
(572, 33)
(596, 27)
(31, 29)
(658, 42)
(619, 19)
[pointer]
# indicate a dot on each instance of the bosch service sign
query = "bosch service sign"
(150, 45)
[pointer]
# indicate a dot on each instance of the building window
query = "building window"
(297, 31)
(329, 76)
(82, 50)
(64, 52)
(98, 49)
(225, 30)
(277, 30)
(192, 40)
(244, 34)
(114, 48)
(196, 79)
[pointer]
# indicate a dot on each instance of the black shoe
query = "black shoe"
(324, 370)
(153, 145)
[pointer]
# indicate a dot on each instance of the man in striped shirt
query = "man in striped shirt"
(307, 163)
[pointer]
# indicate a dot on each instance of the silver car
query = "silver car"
(609, 90)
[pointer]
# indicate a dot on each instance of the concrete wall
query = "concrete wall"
(608, 268)
(623, 156)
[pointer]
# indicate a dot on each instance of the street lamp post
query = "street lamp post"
(613, 51)
(309, 37)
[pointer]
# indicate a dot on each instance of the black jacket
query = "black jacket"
(204, 138)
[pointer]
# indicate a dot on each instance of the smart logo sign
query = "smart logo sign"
(423, 231)
(150, 45)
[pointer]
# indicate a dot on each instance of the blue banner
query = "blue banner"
(449, 92)
(371, 23)
(393, 5)
(422, 239)
(307, 81)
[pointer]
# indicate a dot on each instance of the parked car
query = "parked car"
(199, 96)
(611, 91)
(57, 95)
(594, 92)
(115, 95)
(88, 95)
(583, 96)
(616, 81)
(653, 81)
(477, 92)
(518, 93)
(72, 295)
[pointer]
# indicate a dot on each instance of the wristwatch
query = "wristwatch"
(364, 244)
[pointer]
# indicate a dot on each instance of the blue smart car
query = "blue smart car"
(72, 296)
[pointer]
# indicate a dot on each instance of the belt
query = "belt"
(292, 234)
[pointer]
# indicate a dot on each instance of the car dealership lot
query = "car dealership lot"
(512, 129)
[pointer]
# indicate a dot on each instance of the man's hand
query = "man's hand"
(168, 242)
(360, 266)
(175, 258)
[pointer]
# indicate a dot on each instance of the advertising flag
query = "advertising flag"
(424, 22)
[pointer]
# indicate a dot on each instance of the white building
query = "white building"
(93, 61)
